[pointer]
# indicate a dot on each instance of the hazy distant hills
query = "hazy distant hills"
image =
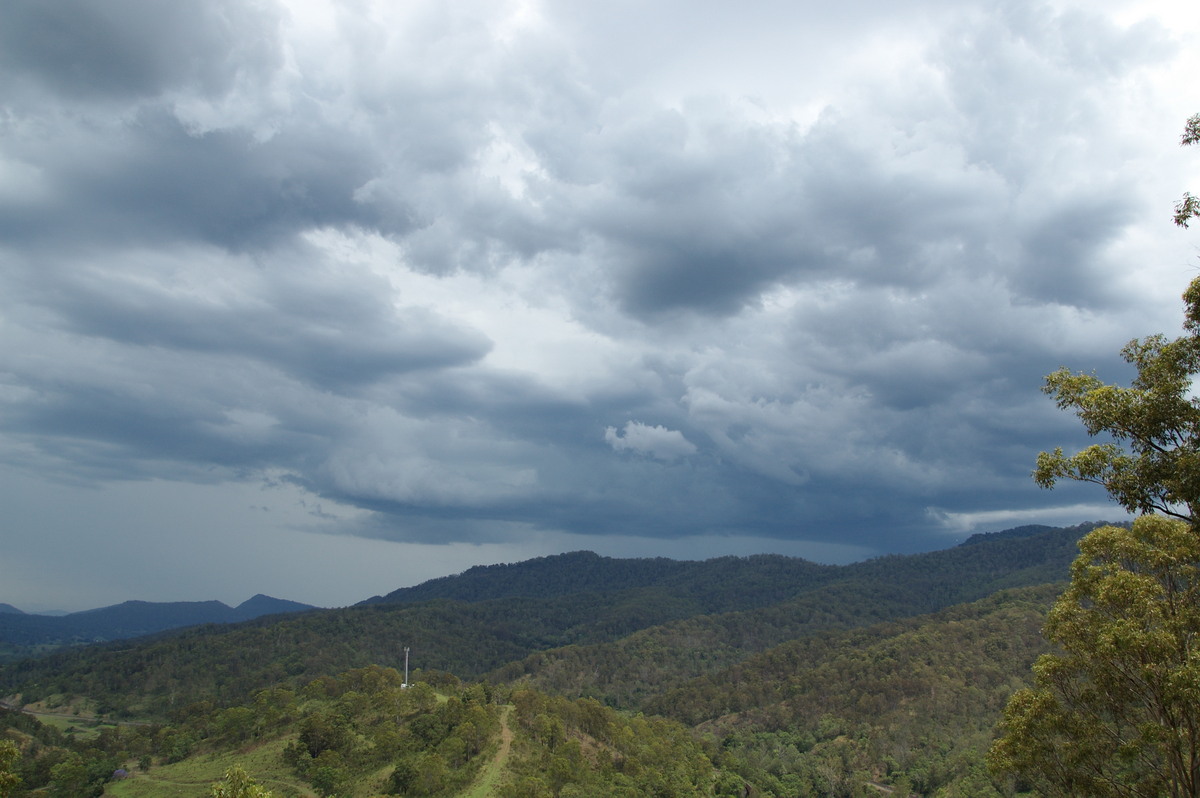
(744, 581)
(602, 598)
(653, 623)
(131, 619)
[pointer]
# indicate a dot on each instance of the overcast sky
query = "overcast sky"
(323, 299)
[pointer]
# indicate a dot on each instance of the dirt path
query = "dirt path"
(489, 776)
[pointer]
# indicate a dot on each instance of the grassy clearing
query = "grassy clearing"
(79, 728)
(375, 784)
(192, 777)
(75, 717)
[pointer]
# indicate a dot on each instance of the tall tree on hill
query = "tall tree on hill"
(1156, 417)
(1117, 713)
(238, 784)
(8, 758)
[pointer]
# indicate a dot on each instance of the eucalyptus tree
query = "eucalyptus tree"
(1116, 710)
(1151, 464)
(238, 784)
(8, 759)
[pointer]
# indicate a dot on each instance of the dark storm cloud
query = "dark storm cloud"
(484, 271)
(183, 121)
(151, 179)
(704, 209)
(823, 208)
(332, 327)
(122, 49)
(154, 417)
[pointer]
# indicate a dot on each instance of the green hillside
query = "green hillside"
(632, 669)
(361, 733)
(911, 701)
(757, 676)
(665, 632)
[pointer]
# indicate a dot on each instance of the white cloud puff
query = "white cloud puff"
(657, 441)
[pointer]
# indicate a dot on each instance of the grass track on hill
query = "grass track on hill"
(489, 776)
(192, 777)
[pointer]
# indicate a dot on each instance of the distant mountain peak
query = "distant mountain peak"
(262, 604)
(1027, 531)
(1031, 530)
(10, 609)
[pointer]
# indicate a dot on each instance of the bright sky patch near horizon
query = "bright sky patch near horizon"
(322, 299)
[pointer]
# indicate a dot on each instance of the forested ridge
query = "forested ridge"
(1001, 629)
(626, 671)
(793, 678)
(910, 701)
(760, 578)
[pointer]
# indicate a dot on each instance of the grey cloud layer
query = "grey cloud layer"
(127, 49)
(239, 240)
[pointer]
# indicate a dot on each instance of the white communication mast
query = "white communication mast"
(405, 685)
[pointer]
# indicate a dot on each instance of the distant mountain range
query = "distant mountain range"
(656, 590)
(130, 619)
(587, 572)
(1023, 555)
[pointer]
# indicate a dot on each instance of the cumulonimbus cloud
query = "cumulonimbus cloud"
(344, 243)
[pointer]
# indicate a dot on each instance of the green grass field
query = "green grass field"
(81, 728)
(70, 717)
(193, 777)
